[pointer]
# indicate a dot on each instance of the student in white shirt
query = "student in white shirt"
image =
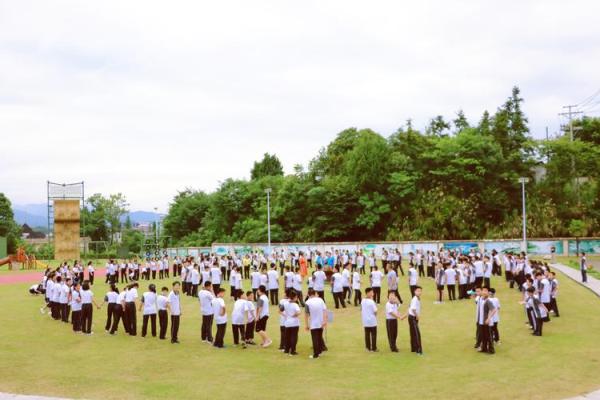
(414, 316)
(337, 288)
(376, 278)
(413, 278)
(111, 298)
(319, 278)
(254, 280)
(148, 303)
(315, 318)
(206, 297)
(369, 319)
(76, 307)
(174, 305)
(391, 319)
(220, 313)
(554, 294)
(496, 317)
(262, 315)
(292, 323)
(273, 282)
(130, 306)
(87, 299)
(346, 282)
(215, 277)
(238, 319)
(356, 287)
(195, 280)
(250, 318)
(91, 272)
(451, 282)
(161, 305)
(282, 336)
(297, 286)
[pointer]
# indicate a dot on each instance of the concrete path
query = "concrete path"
(8, 396)
(592, 284)
(590, 396)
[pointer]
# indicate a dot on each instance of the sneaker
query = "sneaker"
(42, 311)
(313, 357)
(267, 344)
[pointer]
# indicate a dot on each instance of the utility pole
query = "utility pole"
(523, 181)
(268, 192)
(569, 114)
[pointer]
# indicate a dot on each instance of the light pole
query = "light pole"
(268, 192)
(156, 228)
(523, 181)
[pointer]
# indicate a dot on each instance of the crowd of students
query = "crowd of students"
(69, 296)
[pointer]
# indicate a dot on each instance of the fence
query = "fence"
(561, 246)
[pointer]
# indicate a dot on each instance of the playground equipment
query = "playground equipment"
(26, 261)
(64, 209)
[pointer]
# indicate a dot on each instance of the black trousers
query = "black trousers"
(274, 296)
(152, 318)
(347, 293)
(477, 335)
(495, 332)
(451, 292)
(317, 341)
(538, 323)
(117, 315)
(391, 326)
(487, 345)
(415, 335)
(462, 292)
(161, 274)
(421, 270)
(174, 270)
(357, 297)
(110, 310)
(338, 297)
(238, 332)
(174, 328)
(377, 294)
(412, 290)
(124, 277)
(153, 275)
(76, 320)
(206, 331)
(91, 278)
(583, 276)
(554, 306)
(249, 329)
(478, 281)
(86, 317)
(247, 272)
(220, 335)
(321, 294)
(131, 319)
(195, 290)
(371, 338)
(65, 310)
(216, 287)
(282, 337)
(291, 339)
(162, 323)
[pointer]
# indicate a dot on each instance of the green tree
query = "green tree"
(268, 166)
(8, 226)
(578, 228)
(103, 216)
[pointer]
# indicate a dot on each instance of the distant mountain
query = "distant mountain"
(37, 215)
(23, 217)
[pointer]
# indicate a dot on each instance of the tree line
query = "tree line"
(453, 180)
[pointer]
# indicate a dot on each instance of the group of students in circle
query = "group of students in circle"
(68, 294)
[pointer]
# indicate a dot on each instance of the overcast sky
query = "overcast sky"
(147, 98)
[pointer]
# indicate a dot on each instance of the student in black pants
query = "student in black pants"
(414, 315)
(76, 307)
(174, 306)
(220, 317)
(87, 299)
(391, 320)
(292, 324)
(369, 319)
(163, 319)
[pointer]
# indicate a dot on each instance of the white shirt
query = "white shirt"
(415, 307)
(205, 298)
(75, 301)
(545, 295)
(149, 300)
(131, 295)
(195, 275)
(291, 319)
(391, 308)
(336, 280)
(319, 281)
(263, 304)
(450, 276)
(413, 276)
(376, 278)
(282, 304)
(215, 276)
(112, 297)
(368, 310)
(173, 301)
(355, 280)
(496, 301)
(217, 306)
(240, 307)
(161, 302)
(315, 308)
(86, 296)
(255, 277)
(272, 279)
(345, 278)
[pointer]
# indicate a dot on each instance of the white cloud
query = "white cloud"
(147, 98)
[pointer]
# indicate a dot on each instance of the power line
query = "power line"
(570, 114)
(588, 99)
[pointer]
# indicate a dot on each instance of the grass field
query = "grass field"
(41, 356)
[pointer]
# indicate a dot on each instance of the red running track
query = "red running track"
(33, 277)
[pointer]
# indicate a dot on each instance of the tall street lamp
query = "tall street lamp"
(523, 181)
(268, 192)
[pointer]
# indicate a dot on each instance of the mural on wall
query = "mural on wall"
(588, 246)
(544, 246)
(193, 252)
(371, 248)
(461, 247)
(424, 247)
(503, 247)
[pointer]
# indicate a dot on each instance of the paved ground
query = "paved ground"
(592, 284)
(8, 396)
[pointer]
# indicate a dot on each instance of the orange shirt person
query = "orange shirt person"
(303, 266)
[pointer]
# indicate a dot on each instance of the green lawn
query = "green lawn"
(573, 262)
(41, 356)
